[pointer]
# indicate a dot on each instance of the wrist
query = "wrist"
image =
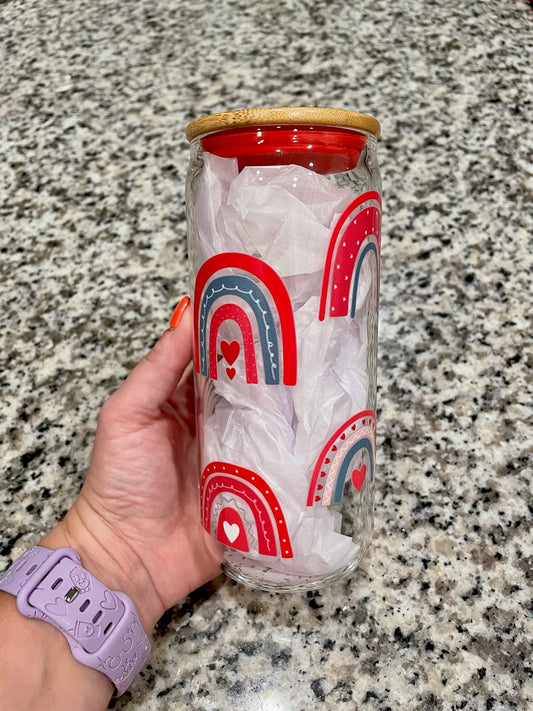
(45, 582)
(39, 654)
(108, 557)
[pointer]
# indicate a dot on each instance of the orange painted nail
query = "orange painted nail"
(179, 311)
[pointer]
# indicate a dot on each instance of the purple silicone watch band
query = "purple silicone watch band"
(101, 625)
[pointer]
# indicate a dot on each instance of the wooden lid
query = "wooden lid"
(299, 115)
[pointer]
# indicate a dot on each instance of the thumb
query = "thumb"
(151, 383)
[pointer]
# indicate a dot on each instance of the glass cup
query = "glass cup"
(284, 218)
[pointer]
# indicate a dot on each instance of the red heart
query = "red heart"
(358, 477)
(319, 487)
(334, 448)
(231, 373)
(230, 351)
(327, 460)
(322, 474)
(317, 498)
(343, 436)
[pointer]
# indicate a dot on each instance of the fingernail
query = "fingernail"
(179, 311)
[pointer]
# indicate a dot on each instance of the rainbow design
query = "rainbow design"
(339, 458)
(356, 237)
(255, 288)
(266, 527)
(234, 312)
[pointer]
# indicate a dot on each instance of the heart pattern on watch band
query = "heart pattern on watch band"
(101, 625)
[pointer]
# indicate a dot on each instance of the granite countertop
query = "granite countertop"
(95, 100)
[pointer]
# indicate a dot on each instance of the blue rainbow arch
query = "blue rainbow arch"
(370, 247)
(244, 288)
(363, 444)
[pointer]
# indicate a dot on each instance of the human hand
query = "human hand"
(136, 522)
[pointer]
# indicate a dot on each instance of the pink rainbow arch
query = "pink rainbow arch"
(328, 462)
(235, 313)
(369, 222)
(271, 527)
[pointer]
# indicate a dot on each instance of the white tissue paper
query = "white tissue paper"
(284, 215)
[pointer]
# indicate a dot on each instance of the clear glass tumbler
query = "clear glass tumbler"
(284, 217)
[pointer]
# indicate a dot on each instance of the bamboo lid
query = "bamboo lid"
(300, 115)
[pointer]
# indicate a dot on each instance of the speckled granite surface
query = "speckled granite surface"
(95, 99)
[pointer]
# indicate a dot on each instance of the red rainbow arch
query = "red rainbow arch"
(361, 239)
(235, 313)
(361, 426)
(271, 528)
(279, 296)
